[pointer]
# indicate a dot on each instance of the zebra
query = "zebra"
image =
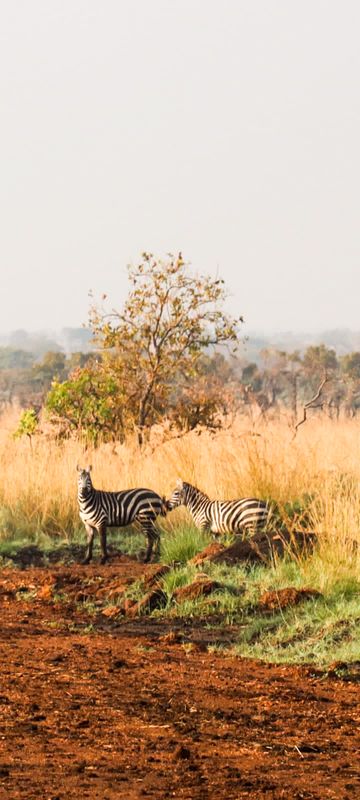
(229, 516)
(99, 510)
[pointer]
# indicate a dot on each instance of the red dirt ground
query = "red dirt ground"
(138, 708)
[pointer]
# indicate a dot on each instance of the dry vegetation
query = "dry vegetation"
(318, 475)
(314, 482)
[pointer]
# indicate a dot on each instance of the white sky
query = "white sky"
(227, 129)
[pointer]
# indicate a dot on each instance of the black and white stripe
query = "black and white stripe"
(101, 510)
(233, 516)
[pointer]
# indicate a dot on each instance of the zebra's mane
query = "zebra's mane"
(195, 489)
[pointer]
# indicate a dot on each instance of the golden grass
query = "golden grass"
(38, 483)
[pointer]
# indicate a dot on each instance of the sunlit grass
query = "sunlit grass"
(314, 482)
(39, 483)
(182, 543)
(320, 629)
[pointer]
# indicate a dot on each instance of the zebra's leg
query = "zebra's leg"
(90, 541)
(157, 543)
(153, 537)
(104, 553)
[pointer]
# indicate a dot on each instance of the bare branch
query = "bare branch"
(311, 404)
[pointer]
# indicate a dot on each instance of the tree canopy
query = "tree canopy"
(152, 351)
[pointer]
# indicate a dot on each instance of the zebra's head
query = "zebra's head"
(178, 496)
(84, 479)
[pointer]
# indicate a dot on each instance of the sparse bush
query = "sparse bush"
(28, 424)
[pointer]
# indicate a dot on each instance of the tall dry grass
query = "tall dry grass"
(320, 469)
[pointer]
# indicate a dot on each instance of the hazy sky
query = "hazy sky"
(227, 129)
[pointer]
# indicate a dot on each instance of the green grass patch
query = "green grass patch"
(23, 520)
(180, 545)
(317, 631)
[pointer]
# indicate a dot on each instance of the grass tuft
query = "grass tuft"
(182, 544)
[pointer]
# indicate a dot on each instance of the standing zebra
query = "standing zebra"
(228, 516)
(99, 510)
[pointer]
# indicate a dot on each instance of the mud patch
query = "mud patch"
(284, 598)
(263, 548)
(95, 708)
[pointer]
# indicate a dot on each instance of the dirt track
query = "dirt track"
(130, 709)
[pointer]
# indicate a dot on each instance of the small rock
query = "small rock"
(56, 659)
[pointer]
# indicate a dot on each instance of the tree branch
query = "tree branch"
(311, 404)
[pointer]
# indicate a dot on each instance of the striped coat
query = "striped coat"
(100, 510)
(220, 516)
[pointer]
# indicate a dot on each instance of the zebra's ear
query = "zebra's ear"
(179, 483)
(78, 468)
(89, 468)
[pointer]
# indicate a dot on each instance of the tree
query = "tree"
(28, 424)
(350, 368)
(282, 377)
(350, 365)
(319, 359)
(78, 359)
(10, 358)
(152, 348)
(321, 362)
(204, 400)
(51, 366)
(252, 376)
(87, 403)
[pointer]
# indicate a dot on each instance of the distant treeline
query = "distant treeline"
(26, 379)
(72, 340)
(279, 379)
(68, 340)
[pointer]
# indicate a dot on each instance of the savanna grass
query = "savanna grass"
(313, 481)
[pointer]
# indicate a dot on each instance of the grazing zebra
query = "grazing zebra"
(99, 510)
(232, 516)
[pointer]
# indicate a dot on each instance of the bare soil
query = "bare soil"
(96, 706)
